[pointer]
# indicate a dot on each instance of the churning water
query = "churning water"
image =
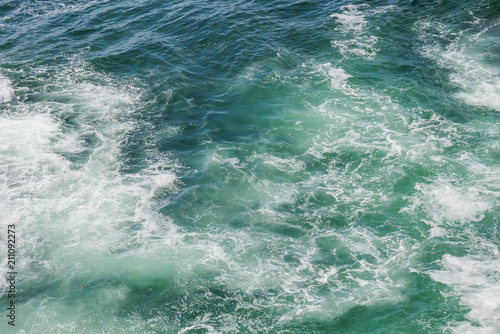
(250, 166)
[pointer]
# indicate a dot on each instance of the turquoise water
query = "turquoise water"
(251, 166)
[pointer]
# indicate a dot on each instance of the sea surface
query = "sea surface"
(250, 166)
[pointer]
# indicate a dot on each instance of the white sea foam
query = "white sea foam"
(319, 292)
(289, 265)
(338, 76)
(335, 75)
(289, 165)
(63, 184)
(476, 280)
(6, 90)
(353, 25)
(464, 56)
(485, 87)
(352, 17)
(446, 203)
(197, 328)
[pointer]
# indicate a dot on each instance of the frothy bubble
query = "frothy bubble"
(6, 90)
(61, 179)
(353, 24)
(477, 282)
(352, 17)
(198, 329)
(338, 76)
(464, 56)
(445, 202)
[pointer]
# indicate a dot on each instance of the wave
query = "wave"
(6, 90)
(464, 54)
(62, 184)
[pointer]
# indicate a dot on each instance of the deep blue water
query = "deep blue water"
(251, 166)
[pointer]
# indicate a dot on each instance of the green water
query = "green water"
(250, 166)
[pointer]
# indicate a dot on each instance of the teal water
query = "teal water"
(251, 166)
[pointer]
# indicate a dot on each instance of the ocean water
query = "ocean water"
(281, 166)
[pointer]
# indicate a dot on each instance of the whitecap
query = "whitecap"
(352, 17)
(6, 90)
(476, 281)
(337, 76)
(478, 81)
(353, 26)
(197, 328)
(445, 203)
(61, 177)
